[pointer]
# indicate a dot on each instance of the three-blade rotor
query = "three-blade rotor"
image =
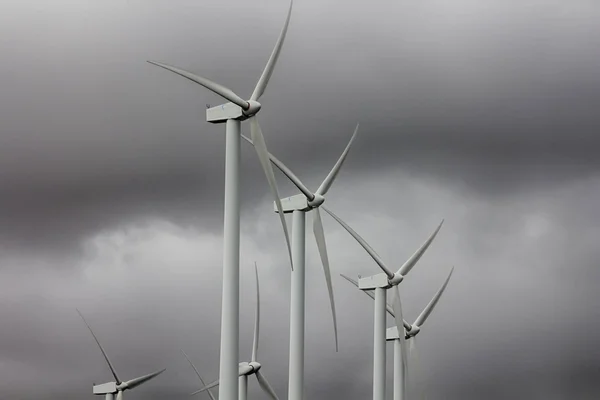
(250, 108)
(415, 328)
(314, 201)
(394, 279)
(121, 386)
(411, 330)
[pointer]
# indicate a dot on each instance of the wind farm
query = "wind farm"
(232, 114)
(125, 199)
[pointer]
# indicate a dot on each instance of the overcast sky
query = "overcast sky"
(484, 113)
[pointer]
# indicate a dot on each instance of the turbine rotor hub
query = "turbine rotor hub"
(316, 202)
(414, 330)
(255, 366)
(253, 107)
(396, 279)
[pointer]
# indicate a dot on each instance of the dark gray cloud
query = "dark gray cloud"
(497, 96)
(111, 195)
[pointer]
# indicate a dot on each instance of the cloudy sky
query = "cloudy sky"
(484, 113)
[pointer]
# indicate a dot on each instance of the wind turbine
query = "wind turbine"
(118, 386)
(232, 114)
(410, 332)
(380, 283)
(299, 205)
(212, 397)
(245, 369)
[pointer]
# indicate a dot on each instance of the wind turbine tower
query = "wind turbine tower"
(232, 114)
(380, 283)
(299, 206)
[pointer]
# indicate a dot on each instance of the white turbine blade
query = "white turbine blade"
(287, 172)
(336, 168)
(142, 379)
(214, 87)
(263, 156)
(209, 386)
(320, 238)
(429, 308)
(112, 368)
(266, 75)
(397, 306)
(264, 384)
(362, 242)
(405, 269)
(120, 395)
(256, 318)
(354, 282)
(198, 373)
(370, 293)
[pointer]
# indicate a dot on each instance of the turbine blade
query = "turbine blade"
(362, 242)
(429, 308)
(142, 379)
(322, 190)
(397, 306)
(354, 282)
(370, 293)
(256, 318)
(287, 172)
(120, 395)
(320, 238)
(209, 386)
(198, 373)
(263, 156)
(405, 269)
(214, 87)
(264, 384)
(112, 369)
(261, 85)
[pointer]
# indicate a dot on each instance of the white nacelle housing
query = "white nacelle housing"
(392, 333)
(373, 282)
(220, 114)
(105, 388)
(290, 204)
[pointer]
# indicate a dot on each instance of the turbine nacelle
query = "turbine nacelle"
(221, 113)
(105, 388)
(392, 333)
(374, 282)
(379, 281)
